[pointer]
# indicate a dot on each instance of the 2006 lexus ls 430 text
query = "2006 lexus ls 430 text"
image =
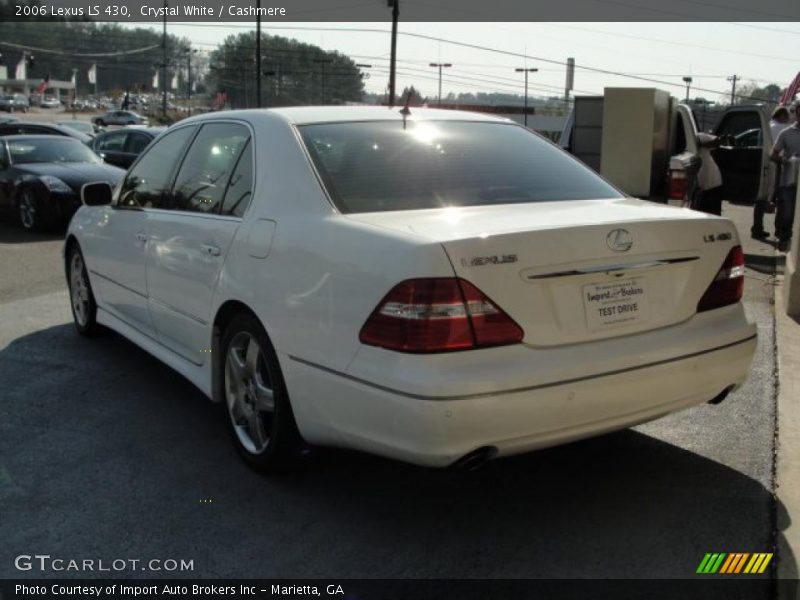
(436, 287)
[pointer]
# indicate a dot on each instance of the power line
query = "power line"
(80, 55)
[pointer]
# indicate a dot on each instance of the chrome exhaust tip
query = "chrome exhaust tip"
(722, 395)
(476, 459)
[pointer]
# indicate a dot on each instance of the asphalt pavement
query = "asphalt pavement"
(105, 453)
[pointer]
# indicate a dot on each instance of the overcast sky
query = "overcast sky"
(708, 52)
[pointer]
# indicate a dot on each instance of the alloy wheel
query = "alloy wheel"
(27, 210)
(79, 291)
(249, 393)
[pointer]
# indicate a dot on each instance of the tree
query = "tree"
(411, 96)
(63, 46)
(293, 73)
(752, 92)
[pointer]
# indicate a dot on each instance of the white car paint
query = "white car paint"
(313, 276)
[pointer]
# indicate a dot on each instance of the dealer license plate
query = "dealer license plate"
(616, 303)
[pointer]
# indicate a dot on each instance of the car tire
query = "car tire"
(258, 412)
(81, 296)
(100, 123)
(30, 211)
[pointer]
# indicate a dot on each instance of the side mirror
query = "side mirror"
(96, 194)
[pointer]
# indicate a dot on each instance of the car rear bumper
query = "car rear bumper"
(339, 409)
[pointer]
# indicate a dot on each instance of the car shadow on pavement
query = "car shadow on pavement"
(12, 233)
(108, 453)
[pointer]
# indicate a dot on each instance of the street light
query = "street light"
(439, 66)
(187, 53)
(688, 82)
(526, 71)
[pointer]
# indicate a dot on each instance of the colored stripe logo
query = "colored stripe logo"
(734, 563)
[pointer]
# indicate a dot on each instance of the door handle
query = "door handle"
(141, 237)
(210, 249)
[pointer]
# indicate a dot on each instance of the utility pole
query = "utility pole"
(322, 62)
(258, 54)
(164, 64)
(395, 4)
(733, 79)
(189, 52)
(570, 83)
(688, 82)
(526, 71)
(440, 65)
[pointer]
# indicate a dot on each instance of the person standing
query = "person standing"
(781, 119)
(786, 153)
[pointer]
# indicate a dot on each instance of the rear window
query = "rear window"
(389, 165)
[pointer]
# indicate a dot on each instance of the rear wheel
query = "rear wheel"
(84, 307)
(100, 123)
(260, 417)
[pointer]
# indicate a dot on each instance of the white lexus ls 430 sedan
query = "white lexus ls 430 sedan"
(437, 287)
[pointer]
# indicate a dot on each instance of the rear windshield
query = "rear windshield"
(389, 165)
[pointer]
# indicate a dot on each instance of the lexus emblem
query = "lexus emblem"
(619, 240)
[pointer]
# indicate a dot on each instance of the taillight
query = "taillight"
(677, 185)
(728, 286)
(438, 315)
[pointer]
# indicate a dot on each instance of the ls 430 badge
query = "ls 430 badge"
(479, 261)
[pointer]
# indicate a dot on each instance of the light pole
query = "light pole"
(439, 66)
(188, 53)
(258, 54)
(163, 65)
(688, 82)
(526, 70)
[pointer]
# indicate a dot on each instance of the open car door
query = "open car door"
(684, 160)
(743, 154)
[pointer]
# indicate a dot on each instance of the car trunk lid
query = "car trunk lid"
(577, 271)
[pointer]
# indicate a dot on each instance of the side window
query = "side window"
(33, 129)
(237, 197)
(137, 142)
(736, 123)
(206, 171)
(112, 142)
(147, 182)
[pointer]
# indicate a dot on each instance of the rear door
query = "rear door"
(110, 147)
(191, 231)
(135, 144)
(743, 154)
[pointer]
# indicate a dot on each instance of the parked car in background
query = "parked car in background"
(25, 128)
(440, 288)
(121, 147)
(41, 178)
(742, 156)
(14, 103)
(120, 117)
(89, 129)
(50, 102)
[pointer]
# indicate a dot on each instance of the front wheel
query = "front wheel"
(84, 307)
(29, 210)
(260, 417)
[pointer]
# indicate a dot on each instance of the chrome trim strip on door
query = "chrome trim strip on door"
(124, 287)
